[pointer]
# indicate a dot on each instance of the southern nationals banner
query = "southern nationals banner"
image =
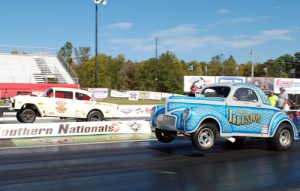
(73, 128)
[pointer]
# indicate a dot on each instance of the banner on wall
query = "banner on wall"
(228, 79)
(264, 83)
(99, 93)
(291, 85)
(200, 81)
(133, 95)
(166, 95)
(134, 111)
(114, 93)
(73, 128)
(150, 95)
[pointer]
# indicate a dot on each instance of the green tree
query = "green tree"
(65, 52)
(129, 79)
(296, 62)
(112, 70)
(215, 66)
(170, 74)
(82, 54)
(230, 66)
(147, 74)
(86, 73)
(196, 68)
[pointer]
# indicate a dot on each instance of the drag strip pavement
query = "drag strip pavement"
(149, 165)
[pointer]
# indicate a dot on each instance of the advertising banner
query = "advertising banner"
(99, 93)
(133, 95)
(134, 111)
(73, 128)
(150, 95)
(200, 81)
(291, 85)
(264, 83)
(166, 95)
(224, 79)
(114, 93)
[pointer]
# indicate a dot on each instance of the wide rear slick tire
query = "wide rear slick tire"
(283, 138)
(204, 137)
(165, 136)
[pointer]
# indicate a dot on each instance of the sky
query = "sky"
(191, 29)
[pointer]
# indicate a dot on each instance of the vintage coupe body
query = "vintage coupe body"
(233, 111)
(63, 103)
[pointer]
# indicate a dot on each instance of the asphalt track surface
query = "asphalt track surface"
(150, 165)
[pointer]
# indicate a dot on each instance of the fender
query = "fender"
(198, 115)
(280, 118)
(157, 110)
(34, 108)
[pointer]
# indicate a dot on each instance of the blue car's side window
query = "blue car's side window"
(245, 94)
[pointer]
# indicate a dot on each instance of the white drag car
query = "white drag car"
(64, 103)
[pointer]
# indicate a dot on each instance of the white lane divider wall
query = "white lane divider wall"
(26, 130)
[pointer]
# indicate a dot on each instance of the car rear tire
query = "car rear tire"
(165, 136)
(95, 116)
(204, 137)
(27, 116)
(283, 138)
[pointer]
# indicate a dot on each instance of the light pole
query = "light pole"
(103, 2)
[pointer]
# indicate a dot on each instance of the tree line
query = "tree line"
(166, 73)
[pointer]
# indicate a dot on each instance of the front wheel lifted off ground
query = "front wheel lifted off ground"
(204, 137)
(165, 136)
(283, 138)
(27, 116)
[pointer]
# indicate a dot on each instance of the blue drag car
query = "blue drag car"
(233, 111)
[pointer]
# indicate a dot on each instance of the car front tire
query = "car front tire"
(204, 137)
(165, 136)
(18, 116)
(27, 116)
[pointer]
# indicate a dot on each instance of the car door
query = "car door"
(85, 103)
(61, 104)
(246, 113)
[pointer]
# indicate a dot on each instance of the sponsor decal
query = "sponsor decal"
(116, 126)
(61, 107)
(9, 113)
(265, 129)
(40, 103)
(134, 126)
(243, 117)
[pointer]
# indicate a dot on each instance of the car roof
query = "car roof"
(230, 84)
(72, 89)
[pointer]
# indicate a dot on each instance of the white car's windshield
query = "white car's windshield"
(48, 93)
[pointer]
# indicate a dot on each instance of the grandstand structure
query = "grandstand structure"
(33, 73)
(23, 68)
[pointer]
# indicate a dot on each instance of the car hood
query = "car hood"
(181, 102)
